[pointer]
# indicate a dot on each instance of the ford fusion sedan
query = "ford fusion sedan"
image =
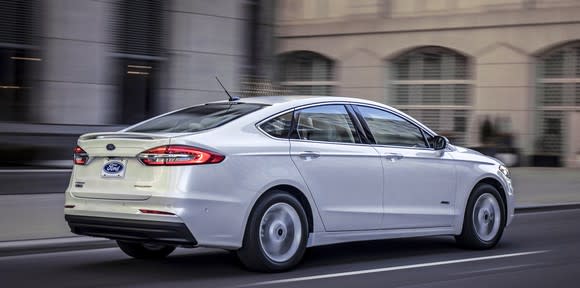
(268, 177)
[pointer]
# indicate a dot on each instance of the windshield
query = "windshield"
(196, 118)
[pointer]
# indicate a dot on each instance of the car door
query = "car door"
(344, 175)
(419, 187)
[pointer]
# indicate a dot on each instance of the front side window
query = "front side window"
(390, 129)
(197, 118)
(278, 127)
(328, 123)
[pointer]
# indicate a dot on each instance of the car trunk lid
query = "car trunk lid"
(114, 170)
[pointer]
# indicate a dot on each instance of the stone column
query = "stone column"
(504, 88)
(75, 83)
(361, 74)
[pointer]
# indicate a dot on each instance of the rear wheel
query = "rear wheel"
(484, 219)
(276, 234)
(145, 250)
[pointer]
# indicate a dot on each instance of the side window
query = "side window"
(390, 129)
(329, 123)
(278, 127)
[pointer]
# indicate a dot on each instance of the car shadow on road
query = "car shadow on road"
(219, 265)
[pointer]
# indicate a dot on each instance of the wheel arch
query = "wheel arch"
(493, 182)
(497, 185)
(292, 190)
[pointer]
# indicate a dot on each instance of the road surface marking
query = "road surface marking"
(394, 268)
(502, 268)
(573, 207)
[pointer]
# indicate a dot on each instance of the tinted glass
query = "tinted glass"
(390, 129)
(329, 123)
(278, 127)
(196, 118)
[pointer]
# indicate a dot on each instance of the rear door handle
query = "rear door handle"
(309, 155)
(393, 156)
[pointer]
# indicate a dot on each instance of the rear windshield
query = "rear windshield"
(196, 118)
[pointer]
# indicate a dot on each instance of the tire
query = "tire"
(277, 221)
(145, 251)
(481, 228)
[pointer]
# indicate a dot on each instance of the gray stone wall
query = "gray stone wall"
(204, 39)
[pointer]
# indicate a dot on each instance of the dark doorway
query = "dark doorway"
(137, 88)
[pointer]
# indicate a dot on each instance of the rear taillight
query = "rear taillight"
(80, 157)
(179, 155)
(157, 212)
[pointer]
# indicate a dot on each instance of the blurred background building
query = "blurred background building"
(500, 73)
(501, 76)
(73, 66)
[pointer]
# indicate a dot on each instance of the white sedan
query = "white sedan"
(270, 176)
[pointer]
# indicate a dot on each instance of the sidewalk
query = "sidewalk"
(538, 186)
(40, 216)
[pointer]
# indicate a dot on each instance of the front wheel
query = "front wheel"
(484, 219)
(144, 250)
(276, 234)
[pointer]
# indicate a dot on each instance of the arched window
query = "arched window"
(433, 84)
(307, 73)
(558, 91)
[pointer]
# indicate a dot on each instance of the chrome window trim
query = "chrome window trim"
(422, 127)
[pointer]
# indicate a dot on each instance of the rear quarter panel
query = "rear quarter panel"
(225, 193)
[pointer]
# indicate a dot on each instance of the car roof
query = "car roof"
(295, 99)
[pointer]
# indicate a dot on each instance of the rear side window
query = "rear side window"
(196, 118)
(278, 127)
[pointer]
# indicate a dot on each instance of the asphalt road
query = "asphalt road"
(540, 249)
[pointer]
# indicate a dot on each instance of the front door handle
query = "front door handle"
(393, 156)
(309, 155)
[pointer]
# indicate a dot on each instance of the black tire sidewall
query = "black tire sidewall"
(252, 243)
(468, 236)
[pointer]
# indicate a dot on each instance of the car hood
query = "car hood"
(466, 154)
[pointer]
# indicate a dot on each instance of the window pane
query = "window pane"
(278, 127)
(196, 118)
(306, 66)
(432, 66)
(329, 123)
(390, 129)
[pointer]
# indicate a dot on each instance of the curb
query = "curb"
(546, 207)
(25, 247)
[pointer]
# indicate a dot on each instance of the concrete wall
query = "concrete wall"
(204, 39)
(74, 86)
(502, 45)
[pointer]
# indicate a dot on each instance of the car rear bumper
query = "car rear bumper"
(132, 230)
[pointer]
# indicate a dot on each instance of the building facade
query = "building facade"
(69, 67)
(452, 64)
(99, 62)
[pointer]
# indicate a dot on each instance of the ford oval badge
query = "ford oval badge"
(110, 147)
(113, 167)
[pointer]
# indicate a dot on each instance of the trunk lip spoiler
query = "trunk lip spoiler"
(123, 135)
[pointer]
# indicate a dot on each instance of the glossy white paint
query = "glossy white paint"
(418, 202)
(353, 191)
(346, 182)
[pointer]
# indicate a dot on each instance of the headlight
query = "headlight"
(504, 170)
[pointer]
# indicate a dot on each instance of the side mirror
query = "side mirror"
(440, 142)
